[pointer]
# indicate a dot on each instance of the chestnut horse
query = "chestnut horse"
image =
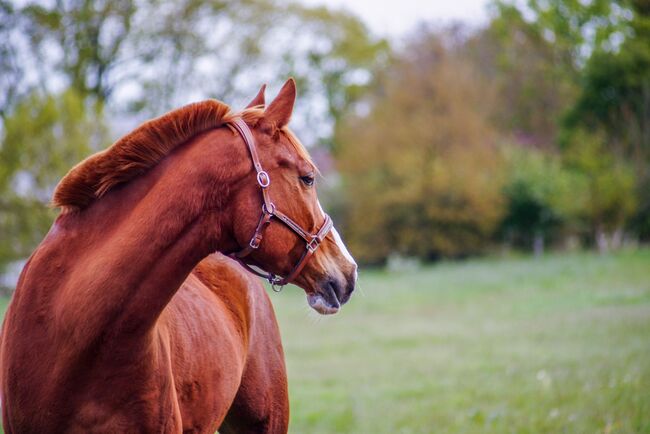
(107, 333)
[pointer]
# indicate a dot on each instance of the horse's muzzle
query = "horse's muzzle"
(332, 294)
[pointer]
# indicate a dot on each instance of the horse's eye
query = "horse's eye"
(308, 180)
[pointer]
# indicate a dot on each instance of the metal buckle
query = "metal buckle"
(313, 244)
(268, 211)
(255, 242)
(263, 179)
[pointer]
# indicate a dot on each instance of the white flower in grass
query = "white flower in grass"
(544, 378)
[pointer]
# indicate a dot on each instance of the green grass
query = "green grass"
(559, 344)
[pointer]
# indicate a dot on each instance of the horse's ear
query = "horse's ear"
(259, 98)
(279, 110)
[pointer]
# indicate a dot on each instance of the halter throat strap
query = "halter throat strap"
(269, 213)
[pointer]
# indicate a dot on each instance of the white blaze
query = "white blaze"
(339, 241)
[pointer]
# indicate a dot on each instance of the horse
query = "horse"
(107, 331)
(245, 389)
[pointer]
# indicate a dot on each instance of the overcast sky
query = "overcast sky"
(395, 17)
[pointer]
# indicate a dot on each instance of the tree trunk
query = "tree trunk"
(617, 239)
(601, 241)
(538, 244)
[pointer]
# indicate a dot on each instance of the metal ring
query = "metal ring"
(267, 211)
(274, 281)
(263, 179)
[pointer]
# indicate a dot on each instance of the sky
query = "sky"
(394, 18)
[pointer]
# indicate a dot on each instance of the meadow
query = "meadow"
(558, 344)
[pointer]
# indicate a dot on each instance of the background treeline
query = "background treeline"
(533, 130)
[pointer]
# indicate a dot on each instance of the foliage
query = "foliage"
(535, 77)
(42, 135)
(574, 28)
(89, 35)
(334, 61)
(615, 99)
(610, 198)
(421, 169)
(541, 196)
(11, 70)
(521, 78)
(615, 92)
(152, 55)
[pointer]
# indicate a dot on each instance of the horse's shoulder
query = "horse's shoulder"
(237, 290)
(217, 269)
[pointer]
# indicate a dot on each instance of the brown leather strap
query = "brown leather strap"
(268, 212)
(310, 249)
(263, 179)
(246, 134)
(292, 225)
(255, 242)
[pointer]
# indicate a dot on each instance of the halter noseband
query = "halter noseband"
(268, 212)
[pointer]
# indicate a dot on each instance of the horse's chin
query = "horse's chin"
(321, 305)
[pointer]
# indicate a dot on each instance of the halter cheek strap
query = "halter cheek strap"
(270, 212)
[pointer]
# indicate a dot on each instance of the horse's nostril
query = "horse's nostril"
(336, 290)
(344, 291)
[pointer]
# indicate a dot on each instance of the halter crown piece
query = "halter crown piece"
(269, 212)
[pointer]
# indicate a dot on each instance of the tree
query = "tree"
(536, 50)
(615, 100)
(42, 135)
(543, 198)
(572, 74)
(11, 70)
(609, 197)
(151, 55)
(534, 77)
(421, 172)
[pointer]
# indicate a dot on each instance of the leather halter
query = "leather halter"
(269, 211)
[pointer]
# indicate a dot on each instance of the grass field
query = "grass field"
(559, 344)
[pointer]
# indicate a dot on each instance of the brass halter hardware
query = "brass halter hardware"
(269, 211)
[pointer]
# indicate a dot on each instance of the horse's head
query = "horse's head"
(310, 255)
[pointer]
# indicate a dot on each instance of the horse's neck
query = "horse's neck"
(117, 264)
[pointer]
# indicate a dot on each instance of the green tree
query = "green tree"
(535, 52)
(574, 28)
(609, 196)
(11, 69)
(42, 135)
(543, 198)
(615, 99)
(615, 92)
(534, 77)
(152, 55)
(563, 68)
(89, 34)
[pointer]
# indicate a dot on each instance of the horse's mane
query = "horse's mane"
(146, 146)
